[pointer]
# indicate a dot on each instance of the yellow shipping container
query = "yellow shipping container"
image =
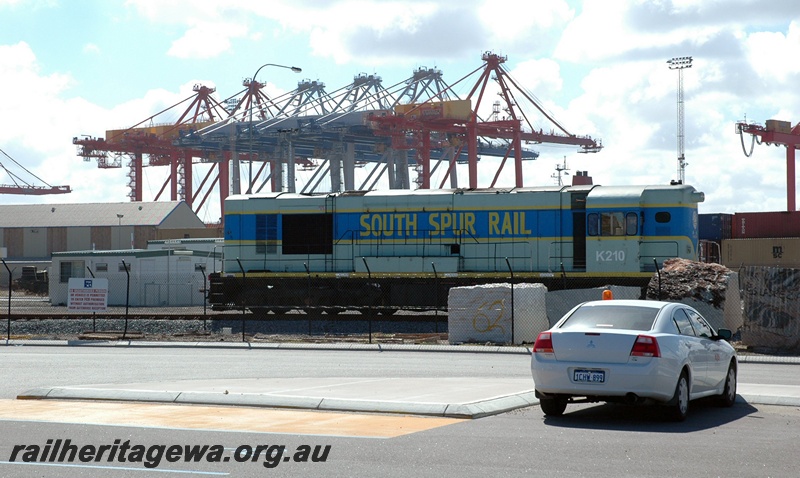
(455, 109)
(165, 131)
(781, 252)
(779, 126)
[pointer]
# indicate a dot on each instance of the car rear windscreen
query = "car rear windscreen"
(612, 317)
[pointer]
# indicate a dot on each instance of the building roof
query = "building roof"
(139, 253)
(99, 214)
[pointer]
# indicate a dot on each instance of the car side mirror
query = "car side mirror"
(724, 334)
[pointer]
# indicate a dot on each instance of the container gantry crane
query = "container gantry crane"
(775, 132)
(155, 142)
(423, 119)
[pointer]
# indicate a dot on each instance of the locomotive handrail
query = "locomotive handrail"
(560, 258)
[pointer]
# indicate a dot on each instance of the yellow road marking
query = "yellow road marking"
(244, 419)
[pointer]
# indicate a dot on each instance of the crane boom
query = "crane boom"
(21, 186)
(33, 190)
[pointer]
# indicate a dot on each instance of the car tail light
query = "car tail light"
(543, 344)
(645, 346)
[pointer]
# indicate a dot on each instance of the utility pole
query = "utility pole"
(680, 63)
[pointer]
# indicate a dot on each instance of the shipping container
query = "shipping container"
(715, 227)
(709, 251)
(453, 109)
(164, 131)
(755, 225)
(779, 126)
(769, 252)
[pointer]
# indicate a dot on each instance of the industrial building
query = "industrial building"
(31, 233)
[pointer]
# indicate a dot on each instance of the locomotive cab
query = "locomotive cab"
(629, 229)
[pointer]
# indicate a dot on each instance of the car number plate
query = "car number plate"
(591, 376)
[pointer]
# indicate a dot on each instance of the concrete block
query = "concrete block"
(484, 313)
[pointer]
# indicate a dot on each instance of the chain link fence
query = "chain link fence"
(138, 305)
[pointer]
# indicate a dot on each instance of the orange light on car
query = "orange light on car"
(608, 295)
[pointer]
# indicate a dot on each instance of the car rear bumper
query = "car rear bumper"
(651, 380)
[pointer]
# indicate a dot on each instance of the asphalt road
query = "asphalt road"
(590, 440)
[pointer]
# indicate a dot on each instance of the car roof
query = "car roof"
(655, 304)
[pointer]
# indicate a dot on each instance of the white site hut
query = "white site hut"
(167, 274)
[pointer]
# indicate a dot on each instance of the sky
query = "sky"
(81, 67)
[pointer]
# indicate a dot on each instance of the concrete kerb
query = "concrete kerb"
(471, 410)
(347, 346)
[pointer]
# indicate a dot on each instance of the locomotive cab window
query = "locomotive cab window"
(663, 217)
(612, 224)
(631, 224)
(591, 224)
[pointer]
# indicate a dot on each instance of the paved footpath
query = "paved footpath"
(461, 397)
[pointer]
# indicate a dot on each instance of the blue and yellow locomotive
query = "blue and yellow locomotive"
(405, 249)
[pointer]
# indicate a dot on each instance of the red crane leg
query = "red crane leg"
(426, 159)
(790, 178)
(472, 154)
(138, 174)
(188, 177)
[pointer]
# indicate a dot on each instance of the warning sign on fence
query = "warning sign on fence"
(88, 295)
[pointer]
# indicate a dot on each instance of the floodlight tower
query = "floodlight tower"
(680, 63)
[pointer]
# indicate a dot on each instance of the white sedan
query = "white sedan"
(633, 351)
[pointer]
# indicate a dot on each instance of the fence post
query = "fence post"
(436, 298)
(309, 300)
(127, 297)
(205, 293)
(94, 314)
(369, 303)
(658, 272)
(512, 299)
(244, 292)
(8, 328)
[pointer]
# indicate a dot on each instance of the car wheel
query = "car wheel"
(728, 397)
(679, 405)
(553, 407)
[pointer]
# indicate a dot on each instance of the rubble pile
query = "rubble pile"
(682, 278)
(712, 289)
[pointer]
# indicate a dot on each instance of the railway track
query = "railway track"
(231, 315)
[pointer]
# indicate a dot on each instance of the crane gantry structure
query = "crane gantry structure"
(417, 124)
(156, 143)
(23, 187)
(775, 132)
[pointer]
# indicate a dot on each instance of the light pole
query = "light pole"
(119, 230)
(254, 88)
(679, 64)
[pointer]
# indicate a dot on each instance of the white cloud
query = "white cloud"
(91, 48)
(774, 54)
(206, 40)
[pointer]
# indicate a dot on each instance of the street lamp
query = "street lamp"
(254, 84)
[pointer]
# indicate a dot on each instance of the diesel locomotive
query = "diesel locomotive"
(402, 249)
